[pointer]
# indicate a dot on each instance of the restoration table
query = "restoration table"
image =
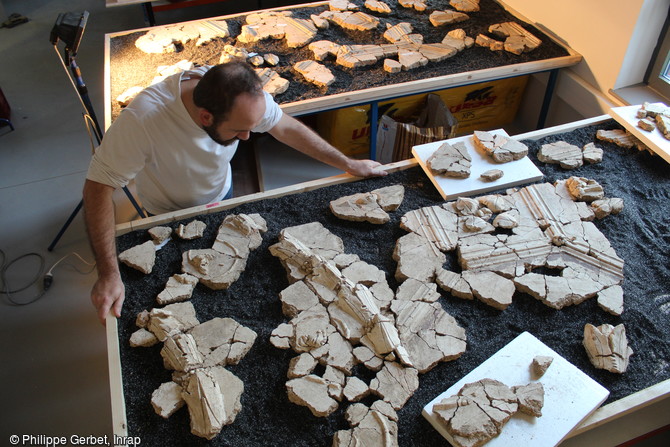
(362, 86)
(642, 180)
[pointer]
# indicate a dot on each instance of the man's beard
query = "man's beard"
(214, 135)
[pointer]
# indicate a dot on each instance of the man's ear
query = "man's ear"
(206, 118)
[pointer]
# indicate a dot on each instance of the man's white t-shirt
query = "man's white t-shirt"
(175, 163)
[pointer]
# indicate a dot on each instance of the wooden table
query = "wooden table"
(371, 96)
(608, 414)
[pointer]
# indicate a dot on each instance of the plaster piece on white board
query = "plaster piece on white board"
(654, 109)
(166, 399)
(583, 189)
(450, 160)
(179, 287)
(502, 149)
(491, 175)
(439, 18)
(140, 257)
(663, 123)
(647, 125)
(478, 412)
(143, 338)
(568, 156)
(611, 300)
(377, 6)
(606, 206)
(465, 5)
(530, 398)
(592, 154)
(607, 347)
(540, 364)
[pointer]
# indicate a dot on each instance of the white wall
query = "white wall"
(615, 38)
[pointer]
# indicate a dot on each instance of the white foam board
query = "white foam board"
(570, 396)
(517, 172)
(626, 116)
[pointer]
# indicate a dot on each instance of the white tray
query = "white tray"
(626, 116)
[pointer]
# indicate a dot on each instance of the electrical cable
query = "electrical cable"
(47, 278)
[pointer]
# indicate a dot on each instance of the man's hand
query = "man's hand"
(365, 168)
(107, 295)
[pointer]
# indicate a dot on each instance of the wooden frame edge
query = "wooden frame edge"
(119, 421)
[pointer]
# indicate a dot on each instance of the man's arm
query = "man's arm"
(108, 291)
(300, 137)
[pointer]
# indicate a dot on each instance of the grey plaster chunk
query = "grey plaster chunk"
(507, 220)
(654, 109)
(607, 347)
(429, 333)
(212, 268)
(319, 21)
(618, 137)
(500, 148)
(166, 399)
(193, 230)
(497, 203)
(128, 95)
(238, 234)
(474, 224)
(301, 366)
(355, 389)
(142, 338)
(491, 175)
(315, 73)
(342, 5)
(644, 124)
(465, 206)
(323, 49)
(490, 288)
(165, 39)
(371, 427)
(583, 189)
(367, 357)
(465, 5)
(312, 392)
(377, 6)
(369, 207)
(557, 291)
(517, 39)
(395, 384)
(355, 56)
(180, 353)
(256, 60)
(272, 82)
(606, 206)
(415, 290)
(179, 287)
(454, 283)
(417, 258)
(483, 40)
(419, 5)
(206, 407)
(172, 319)
(392, 66)
(540, 364)
(232, 388)
(458, 39)
(592, 154)
(281, 336)
(140, 257)
(530, 398)
(142, 319)
(439, 18)
(160, 234)
(278, 25)
(611, 300)
(222, 341)
(355, 21)
(478, 412)
(411, 59)
(400, 33)
(437, 224)
(568, 156)
(451, 161)
(296, 298)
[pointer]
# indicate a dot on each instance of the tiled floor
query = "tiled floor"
(54, 366)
